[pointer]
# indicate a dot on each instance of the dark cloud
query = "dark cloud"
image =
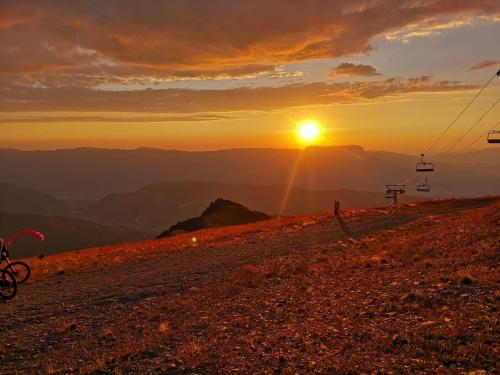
(72, 98)
(119, 39)
(484, 64)
(54, 54)
(353, 69)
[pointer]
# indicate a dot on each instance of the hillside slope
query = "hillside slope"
(62, 233)
(157, 206)
(405, 290)
(15, 198)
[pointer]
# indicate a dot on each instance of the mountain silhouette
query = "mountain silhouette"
(220, 213)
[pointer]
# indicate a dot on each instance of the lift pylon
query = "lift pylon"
(393, 190)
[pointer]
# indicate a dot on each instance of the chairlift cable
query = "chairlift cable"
(472, 127)
(412, 180)
(478, 138)
(462, 112)
(496, 74)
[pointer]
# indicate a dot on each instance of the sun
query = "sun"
(308, 132)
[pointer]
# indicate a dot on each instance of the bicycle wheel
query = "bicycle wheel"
(8, 285)
(20, 270)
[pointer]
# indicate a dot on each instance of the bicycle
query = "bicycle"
(8, 285)
(20, 270)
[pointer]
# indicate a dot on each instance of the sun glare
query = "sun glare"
(308, 132)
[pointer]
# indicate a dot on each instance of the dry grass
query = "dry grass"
(417, 298)
(110, 256)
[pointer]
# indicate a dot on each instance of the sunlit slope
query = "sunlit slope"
(378, 290)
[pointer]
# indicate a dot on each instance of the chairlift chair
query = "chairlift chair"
(494, 136)
(400, 188)
(424, 187)
(424, 166)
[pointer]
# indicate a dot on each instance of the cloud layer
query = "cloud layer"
(202, 101)
(102, 41)
(54, 54)
(353, 69)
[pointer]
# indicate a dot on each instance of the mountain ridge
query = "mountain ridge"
(164, 203)
(90, 173)
(18, 199)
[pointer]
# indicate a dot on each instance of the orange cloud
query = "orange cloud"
(28, 98)
(121, 119)
(119, 39)
(353, 69)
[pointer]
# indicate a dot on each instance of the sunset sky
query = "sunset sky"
(213, 74)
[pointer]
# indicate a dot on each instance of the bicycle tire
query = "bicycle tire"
(20, 270)
(8, 285)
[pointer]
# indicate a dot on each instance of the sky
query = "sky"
(216, 74)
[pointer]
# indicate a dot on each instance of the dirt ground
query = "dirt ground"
(407, 290)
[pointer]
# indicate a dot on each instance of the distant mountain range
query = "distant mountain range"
(88, 173)
(158, 205)
(154, 207)
(94, 197)
(143, 214)
(64, 230)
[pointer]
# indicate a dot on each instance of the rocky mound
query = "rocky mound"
(219, 213)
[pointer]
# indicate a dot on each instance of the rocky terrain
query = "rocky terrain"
(407, 290)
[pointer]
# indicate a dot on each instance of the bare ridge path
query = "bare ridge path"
(99, 295)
